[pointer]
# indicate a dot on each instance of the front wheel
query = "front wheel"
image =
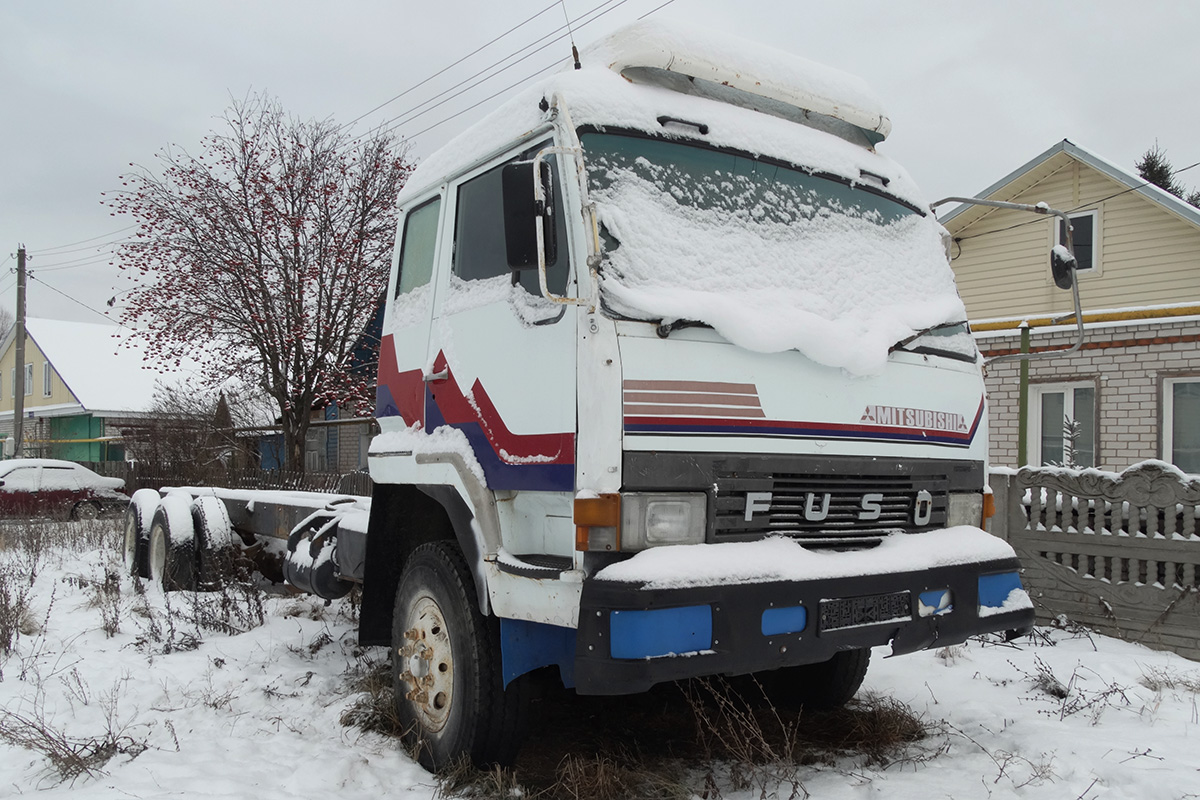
(829, 684)
(449, 693)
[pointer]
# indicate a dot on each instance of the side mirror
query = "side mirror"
(1062, 266)
(522, 213)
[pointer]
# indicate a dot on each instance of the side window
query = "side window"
(479, 250)
(1083, 235)
(22, 479)
(417, 246)
(59, 478)
(1064, 423)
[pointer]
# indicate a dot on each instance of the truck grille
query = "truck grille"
(825, 510)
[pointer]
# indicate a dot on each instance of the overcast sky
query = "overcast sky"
(974, 89)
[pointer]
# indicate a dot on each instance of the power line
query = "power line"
(556, 38)
(46, 250)
(75, 263)
(31, 276)
(1079, 207)
(449, 67)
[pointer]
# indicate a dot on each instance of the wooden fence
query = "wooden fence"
(1118, 553)
(138, 476)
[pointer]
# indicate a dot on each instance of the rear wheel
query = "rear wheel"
(449, 692)
(138, 516)
(217, 552)
(172, 555)
(829, 684)
(85, 511)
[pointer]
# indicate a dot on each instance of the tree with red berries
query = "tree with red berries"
(263, 257)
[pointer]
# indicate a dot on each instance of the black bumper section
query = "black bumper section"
(739, 645)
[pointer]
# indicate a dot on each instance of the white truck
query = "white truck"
(674, 381)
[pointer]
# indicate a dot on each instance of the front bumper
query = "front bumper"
(631, 637)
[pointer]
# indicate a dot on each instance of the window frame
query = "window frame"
(1067, 389)
(1167, 406)
(402, 241)
(47, 379)
(1097, 260)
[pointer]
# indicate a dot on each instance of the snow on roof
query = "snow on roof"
(599, 97)
(105, 371)
(1098, 163)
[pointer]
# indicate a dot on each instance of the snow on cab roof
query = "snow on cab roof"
(103, 369)
(598, 96)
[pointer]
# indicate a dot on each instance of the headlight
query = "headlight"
(965, 508)
(650, 519)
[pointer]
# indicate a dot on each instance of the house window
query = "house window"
(47, 384)
(28, 380)
(1181, 423)
(1063, 424)
(1084, 228)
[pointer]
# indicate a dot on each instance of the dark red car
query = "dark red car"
(46, 487)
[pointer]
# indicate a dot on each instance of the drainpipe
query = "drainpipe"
(1023, 402)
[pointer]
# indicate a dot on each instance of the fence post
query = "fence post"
(1001, 483)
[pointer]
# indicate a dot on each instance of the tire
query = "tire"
(216, 549)
(85, 511)
(448, 689)
(138, 516)
(172, 553)
(818, 687)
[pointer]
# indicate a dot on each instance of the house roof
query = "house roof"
(105, 371)
(1048, 162)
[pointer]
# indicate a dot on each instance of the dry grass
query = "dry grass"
(678, 741)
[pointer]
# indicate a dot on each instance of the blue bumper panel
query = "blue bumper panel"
(792, 619)
(994, 589)
(660, 632)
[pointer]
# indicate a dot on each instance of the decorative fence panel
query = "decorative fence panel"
(1118, 553)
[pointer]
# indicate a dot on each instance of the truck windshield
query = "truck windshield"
(773, 257)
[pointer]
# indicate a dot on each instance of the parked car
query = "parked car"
(46, 487)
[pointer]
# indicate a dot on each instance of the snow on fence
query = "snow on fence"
(1115, 552)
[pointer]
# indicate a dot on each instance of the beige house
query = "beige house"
(1132, 392)
(80, 383)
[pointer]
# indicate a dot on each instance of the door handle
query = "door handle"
(436, 377)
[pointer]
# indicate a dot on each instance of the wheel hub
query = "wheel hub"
(428, 664)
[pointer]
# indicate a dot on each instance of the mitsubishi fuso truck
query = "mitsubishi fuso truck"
(674, 381)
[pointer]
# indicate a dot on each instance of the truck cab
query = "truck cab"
(674, 381)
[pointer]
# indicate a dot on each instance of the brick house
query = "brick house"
(1132, 392)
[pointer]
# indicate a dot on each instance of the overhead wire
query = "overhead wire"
(555, 36)
(46, 250)
(33, 277)
(449, 67)
(1079, 207)
(409, 115)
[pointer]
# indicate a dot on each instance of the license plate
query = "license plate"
(850, 612)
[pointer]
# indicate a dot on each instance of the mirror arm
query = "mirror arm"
(1044, 210)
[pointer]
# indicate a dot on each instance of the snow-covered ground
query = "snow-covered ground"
(191, 710)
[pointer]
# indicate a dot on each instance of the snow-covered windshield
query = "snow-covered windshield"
(772, 257)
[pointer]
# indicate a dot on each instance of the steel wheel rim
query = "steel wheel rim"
(427, 664)
(131, 541)
(158, 553)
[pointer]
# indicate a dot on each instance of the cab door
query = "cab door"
(403, 350)
(503, 355)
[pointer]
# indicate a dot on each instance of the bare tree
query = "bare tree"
(264, 256)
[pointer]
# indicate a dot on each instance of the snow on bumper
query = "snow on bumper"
(751, 606)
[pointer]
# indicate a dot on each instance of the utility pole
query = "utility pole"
(19, 371)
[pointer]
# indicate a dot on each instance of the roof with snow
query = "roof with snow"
(1040, 166)
(106, 370)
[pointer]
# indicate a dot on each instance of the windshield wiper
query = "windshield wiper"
(900, 345)
(664, 328)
